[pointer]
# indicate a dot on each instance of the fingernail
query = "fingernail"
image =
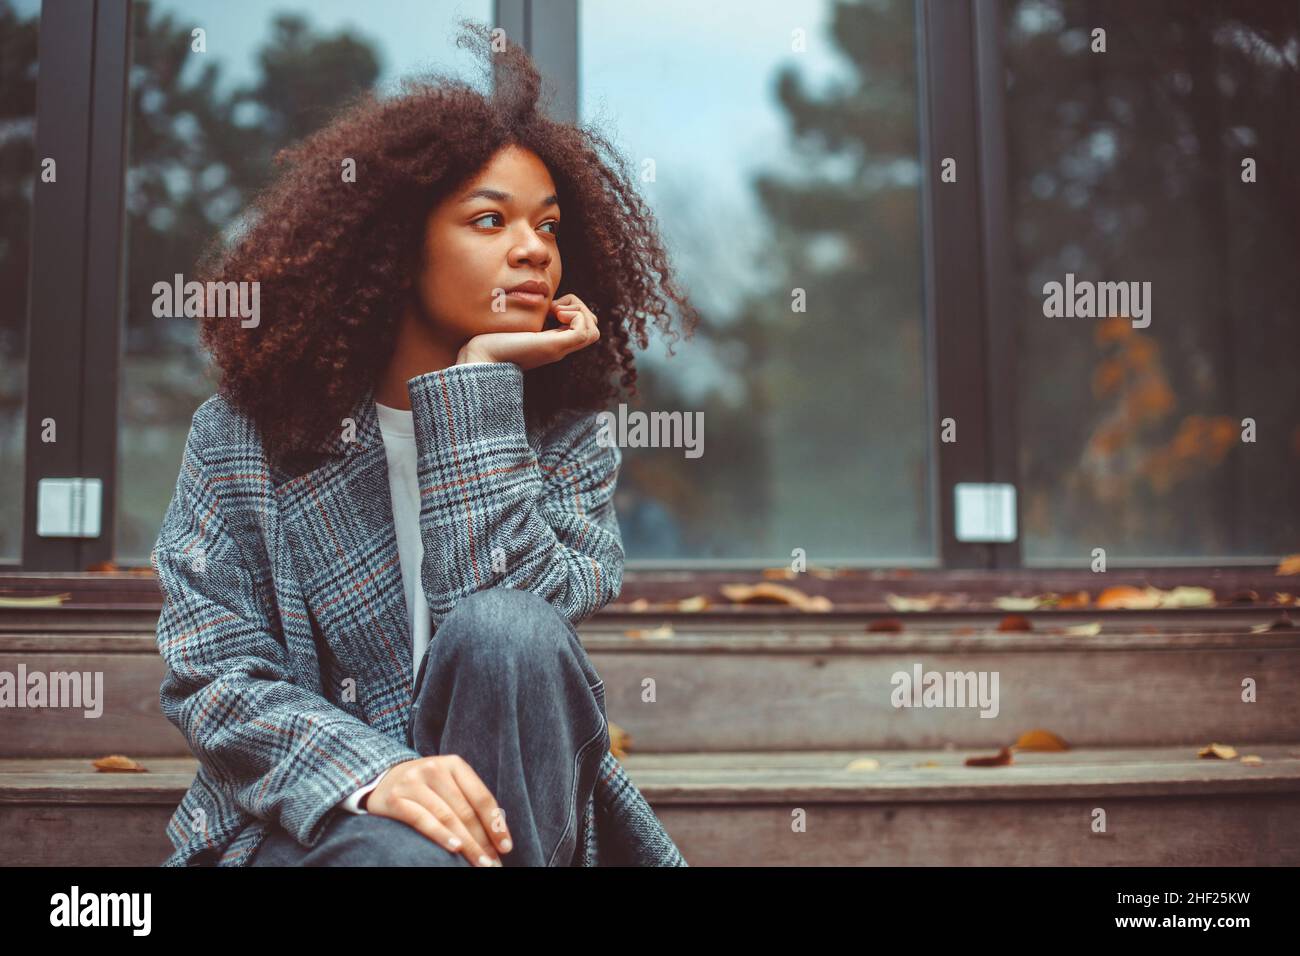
(506, 844)
(454, 842)
(485, 860)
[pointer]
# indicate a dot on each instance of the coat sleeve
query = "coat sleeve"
(495, 513)
(282, 752)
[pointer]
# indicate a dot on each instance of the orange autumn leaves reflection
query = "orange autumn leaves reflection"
(1120, 447)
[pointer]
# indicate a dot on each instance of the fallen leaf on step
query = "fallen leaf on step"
(890, 624)
(1017, 603)
(925, 602)
(40, 600)
(781, 572)
(1283, 598)
(1221, 751)
(116, 763)
(1283, 623)
(620, 741)
(640, 604)
(651, 634)
(1187, 597)
(692, 604)
(1000, 759)
(1038, 739)
(1252, 759)
(1289, 565)
(1245, 596)
(1069, 602)
(928, 763)
(767, 592)
(1125, 597)
(863, 763)
(1015, 622)
(1091, 629)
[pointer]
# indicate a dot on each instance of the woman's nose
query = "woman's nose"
(532, 249)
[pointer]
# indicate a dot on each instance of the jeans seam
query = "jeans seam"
(573, 799)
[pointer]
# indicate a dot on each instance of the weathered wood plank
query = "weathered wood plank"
(796, 690)
(1163, 807)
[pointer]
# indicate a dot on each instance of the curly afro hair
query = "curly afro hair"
(334, 260)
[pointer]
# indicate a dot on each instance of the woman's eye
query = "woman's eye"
(555, 223)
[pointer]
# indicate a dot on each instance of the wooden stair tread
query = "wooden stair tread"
(765, 776)
(812, 637)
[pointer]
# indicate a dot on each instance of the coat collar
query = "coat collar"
(339, 443)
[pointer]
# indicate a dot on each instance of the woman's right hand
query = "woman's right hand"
(443, 798)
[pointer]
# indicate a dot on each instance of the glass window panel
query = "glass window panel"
(19, 27)
(204, 127)
(777, 144)
(1126, 165)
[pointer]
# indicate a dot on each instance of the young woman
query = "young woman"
(392, 516)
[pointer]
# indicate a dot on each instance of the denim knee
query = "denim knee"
(372, 840)
(500, 623)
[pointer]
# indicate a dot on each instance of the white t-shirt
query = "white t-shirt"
(398, 430)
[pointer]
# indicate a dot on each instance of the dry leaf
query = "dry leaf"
(1282, 623)
(890, 624)
(1222, 751)
(1069, 602)
(1091, 629)
(41, 600)
(655, 633)
(1187, 597)
(1000, 759)
(928, 763)
(116, 763)
(1283, 598)
(620, 741)
(767, 592)
(1124, 597)
(1289, 565)
(1017, 603)
(1039, 739)
(1245, 596)
(689, 605)
(1015, 622)
(863, 763)
(925, 602)
(640, 604)
(782, 572)
(1253, 759)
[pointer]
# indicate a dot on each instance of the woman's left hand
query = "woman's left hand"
(531, 349)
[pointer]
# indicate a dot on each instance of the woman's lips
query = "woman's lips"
(527, 298)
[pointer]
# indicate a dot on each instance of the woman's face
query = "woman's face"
(497, 232)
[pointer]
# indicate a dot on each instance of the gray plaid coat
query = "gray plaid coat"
(284, 623)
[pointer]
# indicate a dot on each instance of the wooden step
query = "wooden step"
(1163, 806)
(809, 686)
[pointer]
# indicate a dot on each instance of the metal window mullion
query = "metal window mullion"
(1000, 315)
(105, 276)
(957, 360)
(57, 281)
(553, 44)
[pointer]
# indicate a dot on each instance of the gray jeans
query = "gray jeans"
(507, 685)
